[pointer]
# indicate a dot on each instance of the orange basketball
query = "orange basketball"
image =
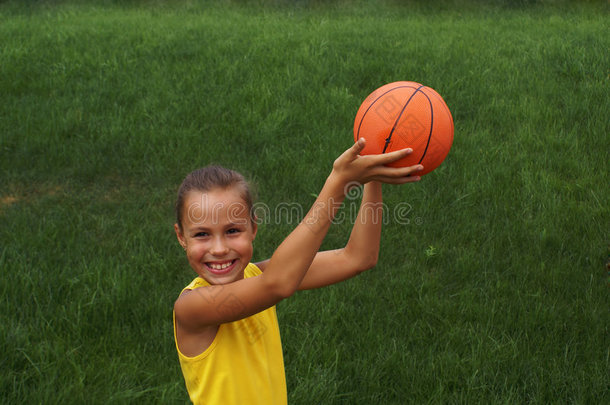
(406, 115)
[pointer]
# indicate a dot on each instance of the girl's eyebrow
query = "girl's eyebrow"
(239, 222)
(199, 228)
(228, 225)
(235, 224)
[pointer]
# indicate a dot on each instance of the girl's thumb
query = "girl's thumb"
(358, 146)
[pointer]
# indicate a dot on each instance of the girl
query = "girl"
(225, 325)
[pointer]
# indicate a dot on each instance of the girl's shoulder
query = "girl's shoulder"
(196, 283)
(253, 270)
(261, 265)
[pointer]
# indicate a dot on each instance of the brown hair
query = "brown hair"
(210, 178)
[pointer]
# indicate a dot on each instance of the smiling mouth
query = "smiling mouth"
(220, 267)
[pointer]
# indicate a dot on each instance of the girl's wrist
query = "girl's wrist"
(337, 184)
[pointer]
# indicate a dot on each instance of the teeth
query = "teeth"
(220, 266)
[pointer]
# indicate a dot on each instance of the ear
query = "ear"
(254, 228)
(180, 236)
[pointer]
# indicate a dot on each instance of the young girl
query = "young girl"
(225, 324)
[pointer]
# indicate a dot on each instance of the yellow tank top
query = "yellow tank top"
(244, 363)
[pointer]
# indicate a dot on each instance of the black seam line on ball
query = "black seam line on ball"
(377, 99)
(431, 126)
(389, 138)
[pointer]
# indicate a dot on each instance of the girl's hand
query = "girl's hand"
(351, 167)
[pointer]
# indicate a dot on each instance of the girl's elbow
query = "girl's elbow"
(283, 292)
(360, 261)
(281, 289)
(367, 263)
(371, 264)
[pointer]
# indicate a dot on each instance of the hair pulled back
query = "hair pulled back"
(211, 178)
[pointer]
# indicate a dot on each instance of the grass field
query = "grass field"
(492, 285)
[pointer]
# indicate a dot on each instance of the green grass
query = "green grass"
(496, 291)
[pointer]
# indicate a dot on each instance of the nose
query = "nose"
(219, 247)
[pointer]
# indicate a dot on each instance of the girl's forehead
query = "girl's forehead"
(215, 197)
(215, 207)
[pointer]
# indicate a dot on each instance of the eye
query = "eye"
(201, 234)
(233, 231)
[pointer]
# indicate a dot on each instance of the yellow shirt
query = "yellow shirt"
(244, 363)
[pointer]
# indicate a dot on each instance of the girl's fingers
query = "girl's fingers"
(374, 167)
(397, 172)
(357, 147)
(390, 157)
(397, 180)
(380, 159)
(351, 154)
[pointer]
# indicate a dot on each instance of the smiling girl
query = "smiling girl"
(225, 324)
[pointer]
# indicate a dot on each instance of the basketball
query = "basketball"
(406, 115)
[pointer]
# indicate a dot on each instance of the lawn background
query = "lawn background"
(492, 285)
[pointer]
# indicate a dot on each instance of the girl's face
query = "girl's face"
(217, 234)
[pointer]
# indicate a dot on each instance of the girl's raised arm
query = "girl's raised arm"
(362, 249)
(289, 264)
